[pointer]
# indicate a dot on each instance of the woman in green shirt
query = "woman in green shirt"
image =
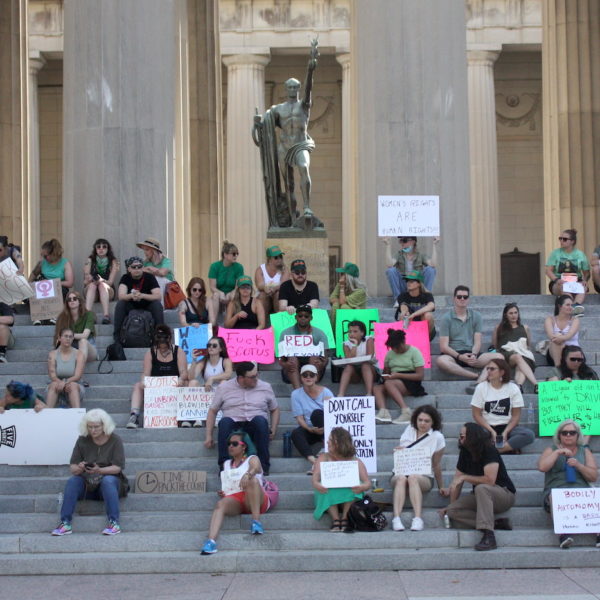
(222, 276)
(21, 395)
(157, 264)
(83, 323)
(99, 274)
(53, 266)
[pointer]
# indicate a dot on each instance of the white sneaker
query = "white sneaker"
(404, 416)
(397, 524)
(383, 416)
(417, 524)
(396, 305)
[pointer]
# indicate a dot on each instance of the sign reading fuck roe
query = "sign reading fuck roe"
(408, 215)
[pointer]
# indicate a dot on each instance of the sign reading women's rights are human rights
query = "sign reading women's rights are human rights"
(408, 215)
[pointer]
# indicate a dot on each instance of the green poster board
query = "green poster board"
(283, 320)
(577, 400)
(343, 316)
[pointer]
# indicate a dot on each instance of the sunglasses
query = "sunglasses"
(136, 266)
(462, 297)
(309, 374)
(212, 345)
(569, 432)
(234, 253)
(197, 290)
(73, 299)
(576, 359)
(564, 239)
(404, 240)
(300, 271)
(235, 443)
(101, 246)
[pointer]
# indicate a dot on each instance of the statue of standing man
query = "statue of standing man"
(291, 150)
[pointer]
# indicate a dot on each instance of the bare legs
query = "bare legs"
(416, 486)
(522, 369)
(350, 375)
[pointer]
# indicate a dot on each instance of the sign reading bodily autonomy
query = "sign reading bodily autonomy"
(249, 344)
(408, 215)
(578, 400)
(576, 510)
(283, 320)
(417, 335)
(193, 338)
(357, 415)
(343, 316)
(13, 287)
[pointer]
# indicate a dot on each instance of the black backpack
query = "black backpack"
(137, 329)
(366, 515)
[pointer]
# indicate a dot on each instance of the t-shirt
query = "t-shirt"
(165, 263)
(145, 284)
(86, 321)
(54, 271)
(225, 276)
(568, 262)
(26, 402)
(414, 303)
(405, 362)
(497, 404)
(434, 441)
(461, 333)
(303, 405)
(110, 453)
(7, 311)
(467, 465)
(288, 292)
(318, 335)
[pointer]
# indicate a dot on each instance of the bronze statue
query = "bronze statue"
(291, 150)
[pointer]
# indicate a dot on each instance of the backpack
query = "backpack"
(137, 329)
(366, 515)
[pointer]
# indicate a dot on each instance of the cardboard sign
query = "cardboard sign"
(412, 461)
(300, 345)
(343, 316)
(170, 482)
(46, 301)
(249, 344)
(320, 320)
(357, 415)
(417, 335)
(160, 402)
(13, 287)
(193, 404)
(44, 438)
(408, 215)
(576, 510)
(577, 400)
(339, 474)
(193, 338)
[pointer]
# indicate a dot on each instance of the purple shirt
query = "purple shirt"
(243, 404)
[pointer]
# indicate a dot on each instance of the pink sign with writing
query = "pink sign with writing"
(249, 344)
(417, 335)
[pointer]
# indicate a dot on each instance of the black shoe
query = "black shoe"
(487, 542)
(503, 524)
(565, 541)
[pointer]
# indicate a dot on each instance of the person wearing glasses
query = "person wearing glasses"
(222, 276)
(83, 323)
(269, 277)
(409, 259)
(244, 311)
(192, 311)
(460, 339)
(248, 404)
(572, 366)
(99, 274)
(571, 260)
(156, 263)
(567, 464)
(562, 329)
(417, 303)
(65, 369)
(137, 290)
(298, 291)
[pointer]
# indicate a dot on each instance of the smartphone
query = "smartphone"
(89, 465)
(499, 441)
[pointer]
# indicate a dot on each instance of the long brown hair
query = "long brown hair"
(64, 319)
(202, 300)
(342, 441)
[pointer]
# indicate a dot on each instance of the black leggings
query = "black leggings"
(303, 439)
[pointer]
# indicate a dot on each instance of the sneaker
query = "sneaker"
(565, 541)
(133, 422)
(383, 416)
(37, 322)
(256, 528)
(397, 524)
(198, 423)
(209, 547)
(52, 321)
(186, 423)
(3, 357)
(578, 310)
(106, 320)
(112, 529)
(417, 524)
(63, 529)
(404, 416)
(396, 305)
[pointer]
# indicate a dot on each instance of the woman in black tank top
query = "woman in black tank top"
(244, 311)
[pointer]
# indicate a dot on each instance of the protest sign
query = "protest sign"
(283, 320)
(13, 287)
(339, 473)
(43, 438)
(230, 481)
(578, 400)
(343, 316)
(193, 404)
(357, 415)
(576, 510)
(249, 344)
(160, 402)
(408, 215)
(170, 482)
(46, 301)
(299, 345)
(417, 335)
(193, 338)
(412, 461)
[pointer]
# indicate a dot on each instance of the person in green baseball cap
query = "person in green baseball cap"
(349, 292)
(244, 311)
(416, 303)
(269, 277)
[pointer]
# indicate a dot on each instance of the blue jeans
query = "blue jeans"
(257, 429)
(398, 285)
(75, 490)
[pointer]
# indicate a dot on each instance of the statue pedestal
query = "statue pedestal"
(312, 246)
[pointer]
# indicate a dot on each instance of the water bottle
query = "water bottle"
(287, 444)
(446, 521)
(570, 473)
(530, 413)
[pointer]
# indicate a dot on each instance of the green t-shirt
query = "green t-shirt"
(26, 402)
(405, 362)
(165, 263)
(86, 321)
(225, 276)
(54, 271)
(565, 262)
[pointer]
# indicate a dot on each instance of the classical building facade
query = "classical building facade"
(132, 118)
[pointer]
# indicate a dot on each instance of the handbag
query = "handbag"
(273, 488)
(115, 352)
(92, 481)
(173, 295)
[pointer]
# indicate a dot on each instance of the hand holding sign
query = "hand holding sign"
(340, 474)
(412, 461)
(13, 287)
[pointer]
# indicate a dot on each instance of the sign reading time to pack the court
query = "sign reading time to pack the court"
(408, 215)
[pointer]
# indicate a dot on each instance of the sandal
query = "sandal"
(345, 526)
(336, 526)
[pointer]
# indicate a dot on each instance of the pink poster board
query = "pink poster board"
(249, 344)
(417, 335)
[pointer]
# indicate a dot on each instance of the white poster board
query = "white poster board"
(193, 404)
(300, 345)
(412, 461)
(230, 481)
(357, 415)
(340, 474)
(160, 402)
(576, 510)
(43, 438)
(408, 215)
(13, 287)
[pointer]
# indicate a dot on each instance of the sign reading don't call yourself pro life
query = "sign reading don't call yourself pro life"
(408, 215)
(170, 482)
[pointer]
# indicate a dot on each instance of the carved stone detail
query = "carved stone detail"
(513, 111)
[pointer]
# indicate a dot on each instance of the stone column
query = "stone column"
(349, 198)
(36, 62)
(246, 218)
(571, 119)
(484, 170)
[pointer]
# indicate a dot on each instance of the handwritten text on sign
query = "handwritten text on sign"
(357, 415)
(576, 510)
(417, 335)
(191, 339)
(160, 407)
(339, 474)
(300, 345)
(577, 400)
(412, 461)
(170, 482)
(249, 344)
(320, 320)
(193, 404)
(13, 287)
(409, 215)
(344, 316)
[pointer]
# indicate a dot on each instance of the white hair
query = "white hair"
(96, 415)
